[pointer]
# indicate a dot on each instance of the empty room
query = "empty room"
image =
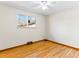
(39, 29)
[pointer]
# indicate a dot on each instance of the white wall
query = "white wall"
(63, 27)
(10, 36)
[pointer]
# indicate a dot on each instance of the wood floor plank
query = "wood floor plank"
(41, 49)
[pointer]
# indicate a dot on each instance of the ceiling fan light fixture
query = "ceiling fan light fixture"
(44, 5)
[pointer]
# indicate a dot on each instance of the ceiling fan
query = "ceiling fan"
(44, 5)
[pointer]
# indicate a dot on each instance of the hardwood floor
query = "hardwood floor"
(41, 49)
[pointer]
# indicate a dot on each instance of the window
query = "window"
(25, 21)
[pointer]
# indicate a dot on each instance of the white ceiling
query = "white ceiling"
(31, 6)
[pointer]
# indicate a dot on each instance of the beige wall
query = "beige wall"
(63, 27)
(10, 36)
